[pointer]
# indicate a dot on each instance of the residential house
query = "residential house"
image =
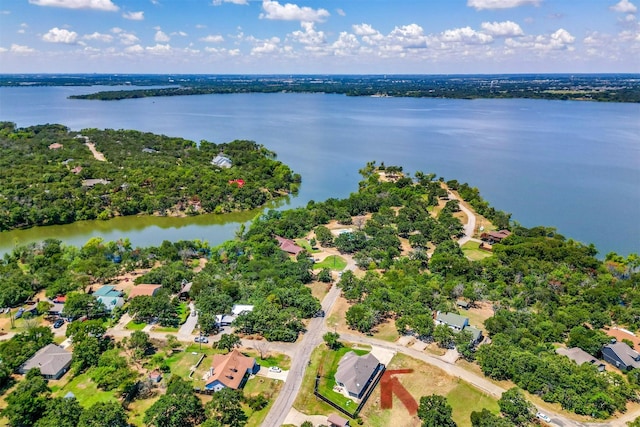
(111, 302)
(52, 360)
(230, 370)
(239, 309)
(221, 161)
(621, 356)
(355, 373)
(495, 236)
(56, 309)
(335, 420)
(107, 291)
(155, 376)
(459, 323)
(463, 304)
(185, 289)
(224, 319)
(288, 245)
(144, 290)
(580, 356)
(452, 320)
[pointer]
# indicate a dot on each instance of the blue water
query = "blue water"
(570, 165)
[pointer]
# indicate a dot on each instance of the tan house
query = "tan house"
(144, 290)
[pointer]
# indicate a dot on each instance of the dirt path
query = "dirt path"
(96, 154)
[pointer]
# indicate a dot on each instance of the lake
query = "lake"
(570, 165)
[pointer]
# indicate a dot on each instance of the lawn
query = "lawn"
(261, 385)
(85, 391)
(165, 329)
(332, 262)
(472, 251)
(425, 380)
(137, 409)
(304, 243)
(134, 326)
(280, 360)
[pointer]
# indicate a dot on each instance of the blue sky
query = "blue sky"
(319, 36)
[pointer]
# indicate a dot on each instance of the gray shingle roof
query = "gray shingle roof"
(50, 359)
(453, 319)
(629, 357)
(354, 371)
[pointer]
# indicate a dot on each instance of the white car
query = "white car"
(275, 369)
(543, 417)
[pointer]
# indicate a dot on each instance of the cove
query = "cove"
(570, 165)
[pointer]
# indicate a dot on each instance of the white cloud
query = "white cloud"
(5, 12)
(200, 26)
(411, 36)
(219, 2)
(159, 49)
(364, 30)
(502, 29)
(107, 38)
(212, 39)
(106, 5)
(179, 33)
(309, 35)
(341, 12)
(267, 46)
(134, 16)
(347, 44)
(624, 6)
(161, 37)
(500, 4)
(125, 38)
(57, 35)
(16, 48)
(136, 48)
(3, 49)
(465, 35)
(292, 12)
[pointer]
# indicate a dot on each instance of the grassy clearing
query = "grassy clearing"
(137, 408)
(183, 312)
(465, 399)
(319, 289)
(165, 329)
(304, 243)
(332, 262)
(134, 326)
(387, 331)
(273, 359)
(472, 251)
(85, 391)
(426, 380)
(267, 387)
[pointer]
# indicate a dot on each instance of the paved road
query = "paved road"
(299, 359)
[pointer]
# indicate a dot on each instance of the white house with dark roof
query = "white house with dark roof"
(222, 161)
(459, 323)
(355, 373)
(52, 360)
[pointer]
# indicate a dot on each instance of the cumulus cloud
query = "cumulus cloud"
(106, 5)
(500, 4)
(411, 36)
(58, 35)
(624, 6)
(17, 48)
(125, 37)
(347, 44)
(161, 37)
(133, 16)
(341, 12)
(502, 29)
(179, 33)
(465, 35)
(364, 30)
(267, 46)
(136, 48)
(309, 35)
(159, 49)
(212, 39)
(106, 38)
(219, 2)
(292, 12)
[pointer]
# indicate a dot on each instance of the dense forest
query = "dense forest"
(48, 175)
(590, 87)
(546, 290)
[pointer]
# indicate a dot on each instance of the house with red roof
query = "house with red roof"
(230, 370)
(288, 245)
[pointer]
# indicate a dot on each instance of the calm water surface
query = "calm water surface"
(570, 165)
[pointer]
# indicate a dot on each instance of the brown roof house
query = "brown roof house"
(52, 360)
(355, 373)
(230, 370)
(288, 245)
(144, 290)
(495, 236)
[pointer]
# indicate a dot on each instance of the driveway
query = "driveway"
(186, 330)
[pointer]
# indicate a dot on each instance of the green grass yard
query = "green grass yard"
(332, 262)
(472, 251)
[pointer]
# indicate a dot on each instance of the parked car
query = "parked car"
(203, 340)
(543, 417)
(19, 313)
(319, 313)
(58, 323)
(275, 369)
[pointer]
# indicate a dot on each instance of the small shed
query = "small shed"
(335, 420)
(463, 304)
(155, 376)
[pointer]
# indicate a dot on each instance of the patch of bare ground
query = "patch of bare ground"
(319, 289)
(201, 264)
(96, 154)
(481, 311)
